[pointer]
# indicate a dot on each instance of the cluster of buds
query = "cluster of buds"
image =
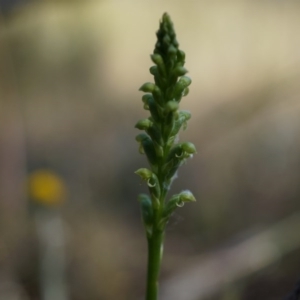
(159, 142)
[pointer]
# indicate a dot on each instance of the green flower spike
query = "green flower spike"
(162, 98)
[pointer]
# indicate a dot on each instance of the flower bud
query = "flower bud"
(148, 148)
(146, 98)
(157, 94)
(178, 200)
(144, 173)
(166, 19)
(175, 43)
(172, 50)
(143, 124)
(189, 147)
(181, 55)
(187, 196)
(180, 86)
(180, 71)
(157, 59)
(181, 121)
(166, 39)
(171, 106)
(152, 182)
(152, 106)
(185, 81)
(176, 153)
(176, 157)
(147, 87)
(153, 70)
(186, 114)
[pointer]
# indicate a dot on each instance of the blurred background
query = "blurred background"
(69, 78)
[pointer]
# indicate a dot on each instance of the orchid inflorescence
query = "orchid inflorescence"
(159, 143)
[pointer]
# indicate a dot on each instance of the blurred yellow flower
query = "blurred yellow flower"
(46, 187)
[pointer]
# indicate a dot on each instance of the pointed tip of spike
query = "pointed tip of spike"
(166, 17)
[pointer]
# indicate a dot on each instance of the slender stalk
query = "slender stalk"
(155, 252)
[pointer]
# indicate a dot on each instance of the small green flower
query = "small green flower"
(177, 201)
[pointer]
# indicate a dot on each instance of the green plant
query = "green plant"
(159, 143)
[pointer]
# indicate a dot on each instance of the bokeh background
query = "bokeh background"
(69, 78)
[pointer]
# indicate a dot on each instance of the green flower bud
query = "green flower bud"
(147, 87)
(180, 71)
(157, 95)
(152, 182)
(185, 114)
(187, 196)
(167, 20)
(175, 43)
(152, 106)
(146, 107)
(167, 40)
(170, 117)
(176, 153)
(167, 45)
(157, 59)
(172, 50)
(181, 120)
(181, 56)
(189, 148)
(148, 148)
(176, 157)
(143, 124)
(144, 173)
(185, 81)
(153, 70)
(177, 201)
(180, 86)
(154, 189)
(146, 98)
(171, 106)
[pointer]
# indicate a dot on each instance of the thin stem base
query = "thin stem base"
(155, 252)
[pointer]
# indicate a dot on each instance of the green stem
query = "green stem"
(155, 251)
